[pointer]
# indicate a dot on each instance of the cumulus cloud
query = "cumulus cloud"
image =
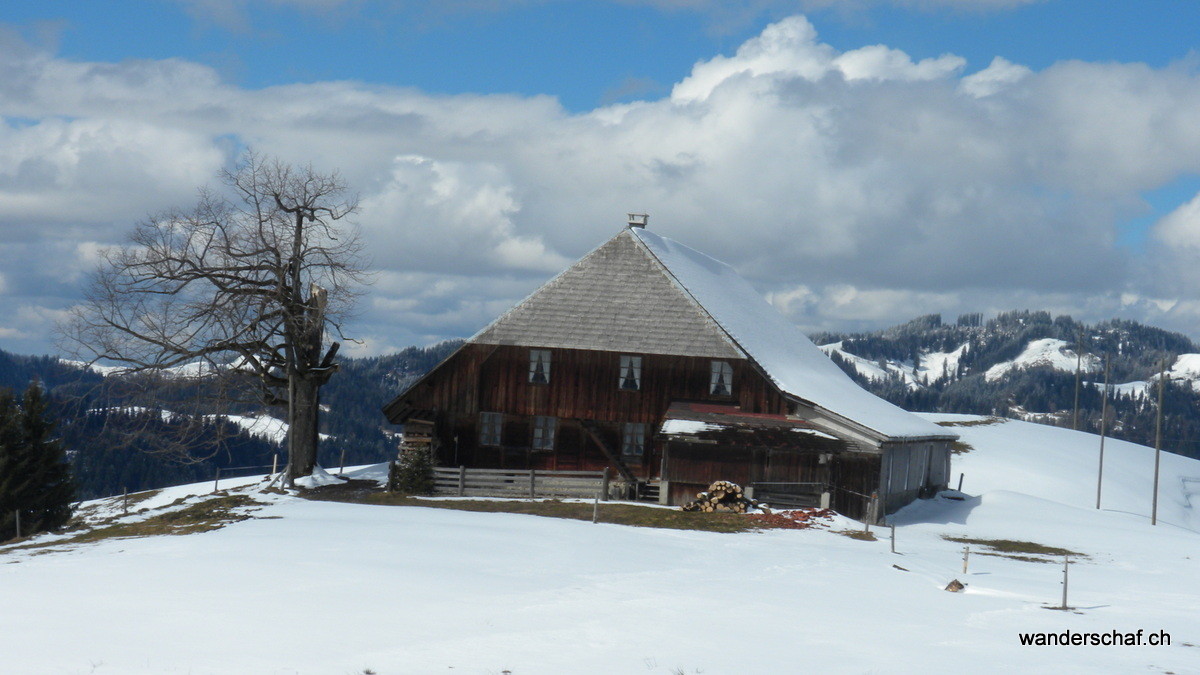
(856, 187)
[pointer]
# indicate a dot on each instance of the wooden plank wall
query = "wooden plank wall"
(584, 385)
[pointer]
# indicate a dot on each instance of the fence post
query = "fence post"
(18, 514)
(596, 509)
(960, 477)
(343, 471)
(462, 481)
(532, 483)
(1066, 562)
(275, 464)
(604, 485)
(125, 501)
(893, 537)
(216, 480)
(966, 557)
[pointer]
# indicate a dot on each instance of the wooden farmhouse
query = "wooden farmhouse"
(662, 364)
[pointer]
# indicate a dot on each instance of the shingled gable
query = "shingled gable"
(784, 353)
(619, 297)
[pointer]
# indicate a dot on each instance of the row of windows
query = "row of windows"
(630, 378)
(633, 437)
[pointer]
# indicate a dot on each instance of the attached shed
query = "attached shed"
(608, 363)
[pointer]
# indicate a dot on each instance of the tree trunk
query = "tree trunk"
(304, 413)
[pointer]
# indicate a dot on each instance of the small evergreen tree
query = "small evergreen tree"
(34, 477)
(413, 473)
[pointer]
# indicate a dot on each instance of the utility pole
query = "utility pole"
(1103, 420)
(1078, 368)
(1162, 376)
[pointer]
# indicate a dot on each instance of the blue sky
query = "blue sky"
(581, 52)
(862, 161)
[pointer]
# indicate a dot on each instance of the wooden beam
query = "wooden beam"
(608, 452)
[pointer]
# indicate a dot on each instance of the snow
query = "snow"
(320, 477)
(263, 426)
(1049, 352)
(788, 357)
(932, 366)
(324, 587)
(938, 365)
(186, 370)
(674, 426)
(94, 367)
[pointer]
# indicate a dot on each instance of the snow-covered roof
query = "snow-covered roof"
(796, 365)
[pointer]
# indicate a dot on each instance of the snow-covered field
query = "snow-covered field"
(317, 587)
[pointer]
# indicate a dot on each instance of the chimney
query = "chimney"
(638, 219)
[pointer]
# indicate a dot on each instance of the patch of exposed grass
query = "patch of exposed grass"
(1010, 546)
(972, 423)
(610, 512)
(861, 535)
(1022, 558)
(958, 448)
(367, 492)
(203, 516)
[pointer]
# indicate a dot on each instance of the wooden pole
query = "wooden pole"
(604, 484)
(125, 501)
(966, 557)
(960, 477)
(532, 483)
(343, 469)
(1066, 562)
(275, 464)
(596, 509)
(18, 515)
(893, 528)
(462, 481)
(1162, 376)
(1103, 420)
(216, 479)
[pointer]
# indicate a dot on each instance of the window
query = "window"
(721, 383)
(633, 441)
(539, 366)
(543, 432)
(489, 428)
(631, 373)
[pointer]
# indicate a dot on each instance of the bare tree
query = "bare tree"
(247, 283)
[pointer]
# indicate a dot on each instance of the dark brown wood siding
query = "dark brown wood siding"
(584, 385)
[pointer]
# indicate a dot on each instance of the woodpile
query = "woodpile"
(721, 496)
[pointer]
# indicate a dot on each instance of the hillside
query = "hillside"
(1022, 365)
(322, 587)
(1019, 365)
(115, 443)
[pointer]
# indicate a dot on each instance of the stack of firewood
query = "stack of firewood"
(721, 496)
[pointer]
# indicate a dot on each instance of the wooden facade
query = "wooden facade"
(582, 394)
(547, 385)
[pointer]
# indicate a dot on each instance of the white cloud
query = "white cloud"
(1181, 227)
(1000, 74)
(860, 187)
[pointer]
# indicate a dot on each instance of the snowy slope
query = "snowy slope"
(1045, 352)
(315, 587)
(931, 367)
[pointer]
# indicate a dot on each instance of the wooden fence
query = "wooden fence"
(789, 495)
(532, 484)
